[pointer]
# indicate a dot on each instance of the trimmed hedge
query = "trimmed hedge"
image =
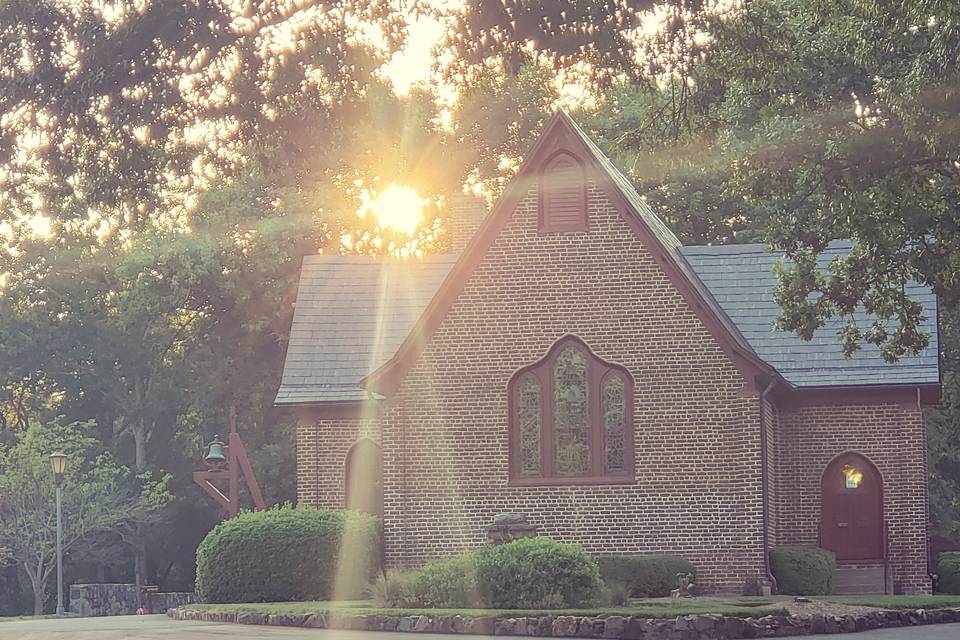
(530, 573)
(646, 576)
(535, 573)
(284, 554)
(443, 584)
(948, 572)
(803, 571)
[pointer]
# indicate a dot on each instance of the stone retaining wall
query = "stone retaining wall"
(708, 627)
(121, 599)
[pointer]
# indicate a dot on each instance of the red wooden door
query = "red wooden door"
(851, 515)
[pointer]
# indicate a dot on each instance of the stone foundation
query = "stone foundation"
(712, 627)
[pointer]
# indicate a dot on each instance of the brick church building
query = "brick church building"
(572, 362)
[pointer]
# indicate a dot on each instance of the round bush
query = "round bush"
(443, 584)
(803, 571)
(536, 573)
(948, 572)
(287, 554)
(646, 576)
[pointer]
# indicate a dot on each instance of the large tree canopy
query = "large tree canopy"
(108, 109)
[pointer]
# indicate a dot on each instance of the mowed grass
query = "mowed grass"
(15, 618)
(649, 608)
(896, 602)
(654, 608)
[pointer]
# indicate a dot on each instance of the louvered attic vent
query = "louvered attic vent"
(563, 201)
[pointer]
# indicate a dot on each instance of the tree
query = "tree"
(99, 497)
(839, 120)
(598, 41)
(114, 114)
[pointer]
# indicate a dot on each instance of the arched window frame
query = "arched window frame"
(547, 223)
(598, 373)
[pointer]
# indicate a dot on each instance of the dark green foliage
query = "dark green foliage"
(803, 571)
(948, 572)
(533, 573)
(536, 573)
(648, 576)
(285, 554)
(448, 583)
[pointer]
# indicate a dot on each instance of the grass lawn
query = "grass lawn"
(15, 618)
(896, 602)
(654, 608)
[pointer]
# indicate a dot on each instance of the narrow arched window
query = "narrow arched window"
(614, 422)
(529, 424)
(571, 412)
(563, 200)
(571, 419)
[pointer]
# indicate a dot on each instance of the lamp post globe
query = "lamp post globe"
(58, 464)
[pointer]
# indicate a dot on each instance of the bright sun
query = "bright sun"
(398, 207)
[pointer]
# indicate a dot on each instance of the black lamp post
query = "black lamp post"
(58, 463)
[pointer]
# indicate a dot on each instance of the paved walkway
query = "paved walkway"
(163, 628)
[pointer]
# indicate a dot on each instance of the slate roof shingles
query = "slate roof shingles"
(740, 278)
(351, 315)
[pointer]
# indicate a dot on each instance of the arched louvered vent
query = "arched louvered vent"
(563, 195)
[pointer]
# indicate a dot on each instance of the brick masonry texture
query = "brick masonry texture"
(445, 433)
(322, 450)
(698, 489)
(893, 437)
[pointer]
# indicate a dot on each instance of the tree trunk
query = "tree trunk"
(140, 448)
(39, 586)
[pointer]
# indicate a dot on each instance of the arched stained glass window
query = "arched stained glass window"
(571, 419)
(529, 421)
(571, 413)
(614, 427)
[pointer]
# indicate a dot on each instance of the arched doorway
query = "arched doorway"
(851, 508)
(363, 479)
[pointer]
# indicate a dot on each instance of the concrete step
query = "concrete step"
(859, 580)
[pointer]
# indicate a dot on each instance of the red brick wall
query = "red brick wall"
(893, 437)
(322, 448)
(445, 434)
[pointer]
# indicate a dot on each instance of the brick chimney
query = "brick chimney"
(466, 213)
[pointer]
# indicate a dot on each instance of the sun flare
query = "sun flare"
(397, 207)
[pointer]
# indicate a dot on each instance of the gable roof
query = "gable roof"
(359, 322)
(351, 314)
(741, 280)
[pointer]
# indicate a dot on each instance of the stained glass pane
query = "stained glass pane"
(614, 416)
(852, 477)
(529, 421)
(571, 416)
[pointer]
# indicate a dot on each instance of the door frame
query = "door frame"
(867, 463)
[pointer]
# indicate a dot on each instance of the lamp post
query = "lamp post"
(58, 462)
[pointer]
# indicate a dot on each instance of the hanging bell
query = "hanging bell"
(215, 453)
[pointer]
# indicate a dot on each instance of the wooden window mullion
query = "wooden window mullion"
(549, 449)
(597, 446)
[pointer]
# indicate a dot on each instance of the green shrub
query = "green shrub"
(615, 594)
(803, 571)
(534, 573)
(287, 554)
(448, 583)
(648, 576)
(391, 589)
(948, 572)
